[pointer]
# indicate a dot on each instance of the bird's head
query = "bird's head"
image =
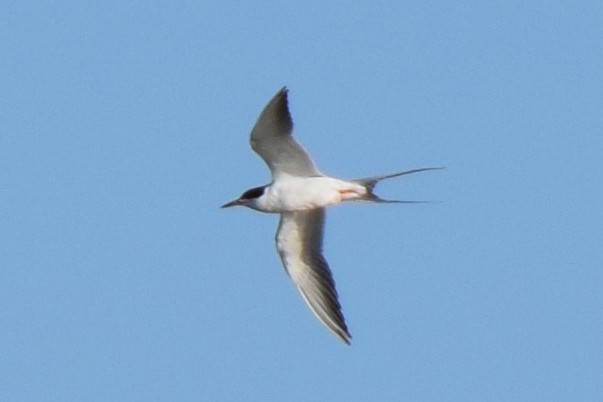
(247, 199)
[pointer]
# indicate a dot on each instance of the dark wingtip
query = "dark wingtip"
(281, 107)
(281, 93)
(342, 334)
(348, 339)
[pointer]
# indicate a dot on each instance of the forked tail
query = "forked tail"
(371, 182)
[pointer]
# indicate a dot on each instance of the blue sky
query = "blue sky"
(124, 125)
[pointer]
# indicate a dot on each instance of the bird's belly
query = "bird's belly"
(313, 193)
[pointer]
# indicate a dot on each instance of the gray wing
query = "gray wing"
(271, 139)
(299, 244)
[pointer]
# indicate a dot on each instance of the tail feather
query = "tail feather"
(371, 182)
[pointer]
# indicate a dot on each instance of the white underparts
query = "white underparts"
(303, 193)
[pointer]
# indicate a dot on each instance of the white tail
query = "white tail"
(371, 182)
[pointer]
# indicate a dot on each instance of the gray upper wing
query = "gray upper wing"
(271, 139)
(299, 244)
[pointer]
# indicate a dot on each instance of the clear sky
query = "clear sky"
(124, 126)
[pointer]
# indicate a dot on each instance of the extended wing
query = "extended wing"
(299, 244)
(271, 139)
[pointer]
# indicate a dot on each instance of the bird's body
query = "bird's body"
(299, 192)
(290, 194)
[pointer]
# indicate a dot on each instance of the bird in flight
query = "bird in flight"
(299, 192)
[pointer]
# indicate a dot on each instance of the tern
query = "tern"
(299, 192)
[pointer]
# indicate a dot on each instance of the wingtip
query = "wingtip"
(339, 328)
(341, 333)
(283, 91)
(347, 339)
